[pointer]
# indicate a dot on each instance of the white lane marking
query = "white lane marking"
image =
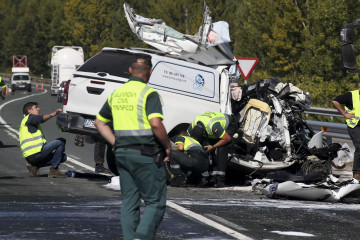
(4, 104)
(300, 234)
(13, 135)
(208, 222)
(80, 163)
(226, 222)
(69, 165)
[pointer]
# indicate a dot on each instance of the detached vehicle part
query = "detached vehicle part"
(273, 133)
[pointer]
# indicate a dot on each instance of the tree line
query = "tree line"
(296, 40)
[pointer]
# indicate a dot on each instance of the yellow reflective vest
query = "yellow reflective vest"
(356, 109)
(2, 83)
(189, 143)
(30, 143)
(209, 119)
(128, 106)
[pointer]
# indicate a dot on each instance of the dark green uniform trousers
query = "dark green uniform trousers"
(140, 178)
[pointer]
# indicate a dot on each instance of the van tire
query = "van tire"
(29, 88)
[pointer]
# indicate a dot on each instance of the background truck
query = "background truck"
(64, 61)
(20, 78)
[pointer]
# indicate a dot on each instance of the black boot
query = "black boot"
(204, 182)
(178, 180)
(220, 182)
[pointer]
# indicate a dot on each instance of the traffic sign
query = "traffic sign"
(246, 66)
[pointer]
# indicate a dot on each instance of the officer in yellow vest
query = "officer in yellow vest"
(136, 114)
(218, 128)
(3, 88)
(37, 152)
(351, 112)
(190, 157)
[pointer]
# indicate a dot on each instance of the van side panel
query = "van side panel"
(188, 80)
(178, 108)
(186, 90)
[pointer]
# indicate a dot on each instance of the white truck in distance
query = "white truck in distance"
(64, 61)
(20, 79)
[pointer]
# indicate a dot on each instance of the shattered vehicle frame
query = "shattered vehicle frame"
(273, 133)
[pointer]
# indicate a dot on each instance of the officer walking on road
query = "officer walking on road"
(217, 128)
(136, 113)
(3, 88)
(37, 152)
(351, 112)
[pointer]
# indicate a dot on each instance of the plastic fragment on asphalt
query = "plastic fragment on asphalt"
(114, 184)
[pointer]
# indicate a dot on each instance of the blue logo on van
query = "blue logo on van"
(199, 82)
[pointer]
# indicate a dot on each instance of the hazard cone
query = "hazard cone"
(37, 87)
(42, 86)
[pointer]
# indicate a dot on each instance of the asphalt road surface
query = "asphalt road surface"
(82, 208)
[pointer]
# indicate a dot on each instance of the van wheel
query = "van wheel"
(110, 159)
(29, 88)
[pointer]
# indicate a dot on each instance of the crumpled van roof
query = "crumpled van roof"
(209, 46)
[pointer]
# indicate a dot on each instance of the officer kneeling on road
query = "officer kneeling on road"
(190, 157)
(37, 152)
(218, 129)
(139, 137)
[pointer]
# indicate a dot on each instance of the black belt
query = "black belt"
(147, 150)
(138, 146)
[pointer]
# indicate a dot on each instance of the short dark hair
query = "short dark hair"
(28, 106)
(198, 131)
(145, 57)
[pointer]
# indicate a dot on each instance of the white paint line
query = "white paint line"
(80, 163)
(4, 104)
(226, 222)
(69, 165)
(299, 234)
(208, 222)
(13, 135)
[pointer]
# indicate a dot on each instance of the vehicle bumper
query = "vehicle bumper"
(22, 86)
(74, 124)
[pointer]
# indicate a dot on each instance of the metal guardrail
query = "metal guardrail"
(331, 130)
(324, 112)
